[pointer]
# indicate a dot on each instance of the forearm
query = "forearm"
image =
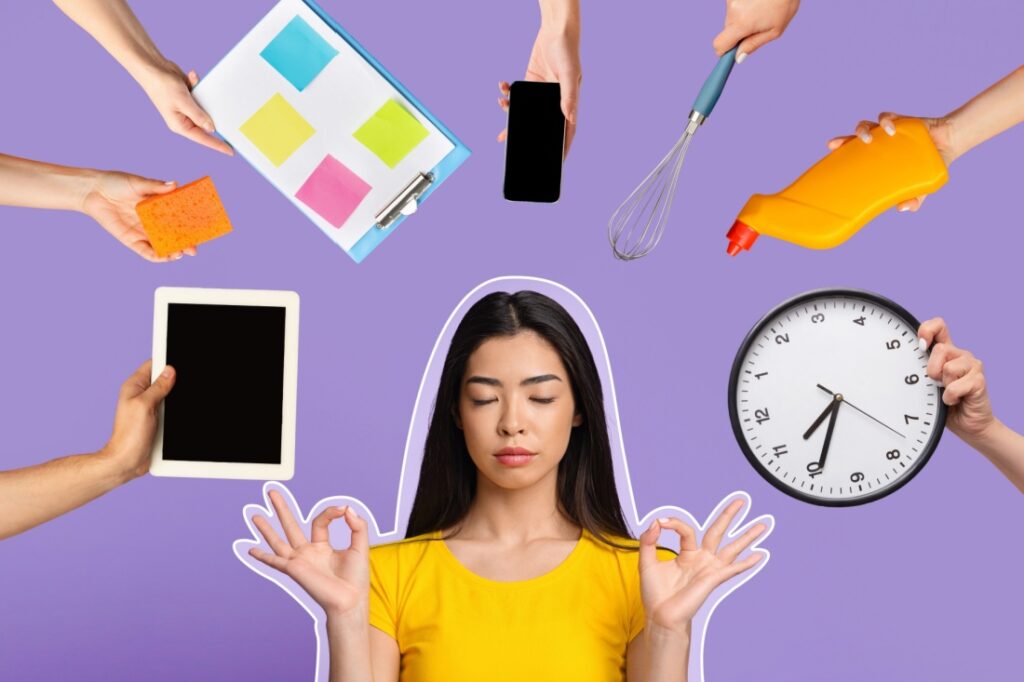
(1004, 448)
(114, 26)
(348, 637)
(998, 108)
(35, 184)
(667, 654)
(36, 494)
(562, 15)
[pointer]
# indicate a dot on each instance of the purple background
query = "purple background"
(142, 584)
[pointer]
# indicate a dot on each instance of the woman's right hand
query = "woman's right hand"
(338, 580)
(940, 129)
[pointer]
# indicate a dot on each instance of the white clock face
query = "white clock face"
(831, 398)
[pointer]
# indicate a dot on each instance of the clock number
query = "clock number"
(759, 375)
(908, 417)
(779, 450)
(817, 317)
(860, 321)
(856, 477)
(911, 379)
(814, 469)
(761, 415)
(892, 454)
(893, 345)
(782, 338)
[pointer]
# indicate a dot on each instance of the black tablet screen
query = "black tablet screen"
(227, 399)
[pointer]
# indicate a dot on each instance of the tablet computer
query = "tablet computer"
(231, 413)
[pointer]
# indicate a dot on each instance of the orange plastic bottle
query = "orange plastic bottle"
(845, 190)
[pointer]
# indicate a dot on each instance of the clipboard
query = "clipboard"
(326, 124)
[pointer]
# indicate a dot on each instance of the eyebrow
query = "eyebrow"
(488, 381)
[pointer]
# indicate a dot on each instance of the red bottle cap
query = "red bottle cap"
(741, 237)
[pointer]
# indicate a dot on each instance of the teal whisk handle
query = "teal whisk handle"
(712, 90)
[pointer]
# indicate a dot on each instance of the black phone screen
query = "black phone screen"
(227, 400)
(533, 149)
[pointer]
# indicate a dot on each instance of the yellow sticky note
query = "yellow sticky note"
(391, 133)
(277, 129)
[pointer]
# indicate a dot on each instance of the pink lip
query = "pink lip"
(514, 457)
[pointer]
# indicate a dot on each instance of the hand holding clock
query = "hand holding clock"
(970, 412)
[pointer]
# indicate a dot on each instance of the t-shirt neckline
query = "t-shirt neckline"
(542, 579)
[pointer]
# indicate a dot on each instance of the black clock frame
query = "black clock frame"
(734, 376)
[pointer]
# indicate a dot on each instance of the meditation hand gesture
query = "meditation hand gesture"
(674, 590)
(338, 580)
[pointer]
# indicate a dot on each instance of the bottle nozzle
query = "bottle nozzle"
(741, 237)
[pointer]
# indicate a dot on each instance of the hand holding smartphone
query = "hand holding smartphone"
(535, 144)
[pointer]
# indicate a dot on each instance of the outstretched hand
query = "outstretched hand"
(674, 590)
(338, 580)
(555, 58)
(938, 128)
(170, 90)
(111, 202)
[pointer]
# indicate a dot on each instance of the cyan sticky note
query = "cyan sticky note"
(333, 191)
(391, 133)
(277, 129)
(298, 53)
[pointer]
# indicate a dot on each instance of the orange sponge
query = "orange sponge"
(188, 216)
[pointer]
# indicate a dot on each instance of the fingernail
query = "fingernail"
(169, 182)
(343, 510)
(922, 345)
(166, 374)
(177, 256)
(210, 127)
(865, 137)
(888, 127)
(664, 520)
(903, 209)
(740, 56)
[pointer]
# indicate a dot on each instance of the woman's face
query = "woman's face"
(516, 409)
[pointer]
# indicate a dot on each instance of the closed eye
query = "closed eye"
(543, 401)
(480, 403)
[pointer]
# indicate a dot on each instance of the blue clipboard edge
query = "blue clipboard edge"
(441, 171)
(369, 241)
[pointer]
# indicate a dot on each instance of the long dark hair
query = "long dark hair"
(586, 478)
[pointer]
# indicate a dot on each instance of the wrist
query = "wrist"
(675, 634)
(562, 16)
(119, 467)
(354, 619)
(985, 439)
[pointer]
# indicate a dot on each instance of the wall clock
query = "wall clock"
(830, 401)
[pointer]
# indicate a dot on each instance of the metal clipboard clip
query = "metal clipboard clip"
(406, 201)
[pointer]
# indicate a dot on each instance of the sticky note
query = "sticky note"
(391, 133)
(188, 216)
(333, 191)
(277, 129)
(298, 53)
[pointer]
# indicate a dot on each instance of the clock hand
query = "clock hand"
(821, 417)
(828, 432)
(864, 413)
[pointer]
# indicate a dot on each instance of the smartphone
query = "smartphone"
(535, 142)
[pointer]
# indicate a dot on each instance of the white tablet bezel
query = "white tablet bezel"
(289, 300)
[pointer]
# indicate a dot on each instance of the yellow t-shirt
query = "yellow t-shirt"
(573, 623)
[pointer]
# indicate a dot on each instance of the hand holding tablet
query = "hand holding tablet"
(235, 356)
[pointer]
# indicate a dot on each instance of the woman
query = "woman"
(517, 562)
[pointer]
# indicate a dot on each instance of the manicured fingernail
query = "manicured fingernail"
(865, 137)
(903, 209)
(166, 374)
(922, 345)
(169, 182)
(740, 56)
(888, 127)
(663, 520)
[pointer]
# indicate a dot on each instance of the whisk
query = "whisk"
(638, 224)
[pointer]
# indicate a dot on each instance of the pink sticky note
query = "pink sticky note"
(333, 191)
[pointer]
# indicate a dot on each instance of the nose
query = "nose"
(511, 421)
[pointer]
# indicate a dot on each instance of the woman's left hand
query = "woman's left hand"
(170, 90)
(674, 590)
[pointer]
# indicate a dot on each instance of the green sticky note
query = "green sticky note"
(277, 129)
(391, 133)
